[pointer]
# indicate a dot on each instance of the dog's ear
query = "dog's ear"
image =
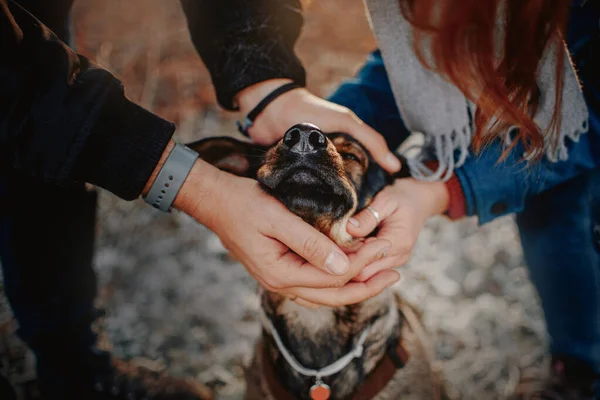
(231, 155)
(404, 170)
(376, 178)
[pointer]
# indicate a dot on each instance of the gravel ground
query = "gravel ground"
(174, 298)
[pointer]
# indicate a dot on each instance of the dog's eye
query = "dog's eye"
(350, 157)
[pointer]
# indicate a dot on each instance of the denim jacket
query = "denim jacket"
(494, 188)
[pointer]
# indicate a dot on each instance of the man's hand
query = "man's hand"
(281, 251)
(300, 105)
(403, 207)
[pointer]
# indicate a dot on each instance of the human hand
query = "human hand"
(281, 251)
(403, 208)
(300, 105)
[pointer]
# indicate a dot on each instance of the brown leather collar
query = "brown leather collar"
(396, 357)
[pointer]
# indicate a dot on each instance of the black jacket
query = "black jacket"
(63, 120)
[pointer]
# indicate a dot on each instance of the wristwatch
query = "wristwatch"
(171, 177)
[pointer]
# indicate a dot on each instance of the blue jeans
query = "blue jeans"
(557, 227)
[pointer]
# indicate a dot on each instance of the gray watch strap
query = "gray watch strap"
(171, 177)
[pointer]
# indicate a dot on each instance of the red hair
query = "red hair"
(498, 76)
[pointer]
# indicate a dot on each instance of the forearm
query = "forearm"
(245, 42)
(65, 121)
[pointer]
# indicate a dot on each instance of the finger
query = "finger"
(378, 266)
(306, 303)
(351, 293)
(368, 254)
(363, 223)
(402, 241)
(310, 244)
(291, 271)
(375, 144)
(402, 234)
(301, 302)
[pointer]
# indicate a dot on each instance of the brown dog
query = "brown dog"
(325, 179)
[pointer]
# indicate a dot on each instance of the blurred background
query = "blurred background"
(176, 301)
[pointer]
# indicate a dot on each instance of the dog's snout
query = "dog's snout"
(304, 138)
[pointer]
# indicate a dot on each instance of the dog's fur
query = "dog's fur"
(325, 187)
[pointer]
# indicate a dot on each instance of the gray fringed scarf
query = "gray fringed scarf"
(434, 107)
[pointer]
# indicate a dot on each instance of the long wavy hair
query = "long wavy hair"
(459, 40)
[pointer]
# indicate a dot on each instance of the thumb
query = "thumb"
(374, 143)
(369, 218)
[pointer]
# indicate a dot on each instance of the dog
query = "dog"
(377, 345)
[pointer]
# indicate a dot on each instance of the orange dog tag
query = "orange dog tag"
(320, 391)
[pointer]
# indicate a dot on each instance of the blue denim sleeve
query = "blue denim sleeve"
(493, 188)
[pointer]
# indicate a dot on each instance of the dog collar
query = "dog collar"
(395, 358)
(320, 390)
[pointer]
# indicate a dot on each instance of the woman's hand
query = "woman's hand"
(300, 105)
(403, 209)
(282, 252)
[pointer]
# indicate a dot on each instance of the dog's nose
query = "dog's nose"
(304, 138)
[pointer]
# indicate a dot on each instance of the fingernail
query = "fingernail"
(354, 222)
(382, 253)
(393, 282)
(337, 263)
(392, 161)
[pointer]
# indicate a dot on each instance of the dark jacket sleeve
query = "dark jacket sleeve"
(245, 42)
(65, 121)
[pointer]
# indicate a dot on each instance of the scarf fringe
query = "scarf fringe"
(561, 153)
(448, 146)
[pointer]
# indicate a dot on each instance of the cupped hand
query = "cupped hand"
(300, 105)
(403, 209)
(281, 251)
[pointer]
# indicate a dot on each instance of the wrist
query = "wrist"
(249, 97)
(457, 207)
(159, 165)
(432, 196)
(198, 191)
(198, 184)
(441, 197)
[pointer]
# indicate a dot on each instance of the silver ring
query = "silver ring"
(375, 214)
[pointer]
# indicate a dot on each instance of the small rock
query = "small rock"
(216, 376)
(215, 246)
(444, 286)
(474, 282)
